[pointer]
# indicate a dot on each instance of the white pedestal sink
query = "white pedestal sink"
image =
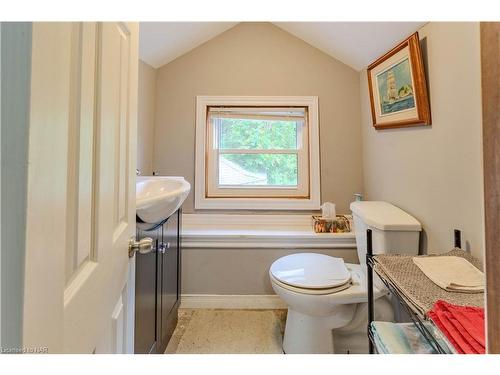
(158, 197)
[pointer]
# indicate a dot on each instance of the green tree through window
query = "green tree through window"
(256, 134)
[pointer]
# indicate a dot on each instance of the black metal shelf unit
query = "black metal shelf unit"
(417, 319)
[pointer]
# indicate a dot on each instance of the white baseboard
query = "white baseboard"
(225, 301)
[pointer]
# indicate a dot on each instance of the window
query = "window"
(257, 153)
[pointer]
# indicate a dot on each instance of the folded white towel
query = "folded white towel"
(404, 338)
(452, 273)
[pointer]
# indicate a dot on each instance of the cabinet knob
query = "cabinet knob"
(162, 247)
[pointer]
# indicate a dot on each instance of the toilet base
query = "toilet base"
(306, 334)
(343, 332)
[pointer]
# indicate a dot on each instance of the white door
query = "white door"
(81, 187)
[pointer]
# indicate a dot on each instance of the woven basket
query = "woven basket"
(338, 225)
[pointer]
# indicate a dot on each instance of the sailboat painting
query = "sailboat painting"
(398, 88)
(395, 88)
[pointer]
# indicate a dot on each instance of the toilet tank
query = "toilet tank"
(393, 230)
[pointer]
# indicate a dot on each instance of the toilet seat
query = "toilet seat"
(311, 273)
(311, 291)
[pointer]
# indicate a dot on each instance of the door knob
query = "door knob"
(143, 246)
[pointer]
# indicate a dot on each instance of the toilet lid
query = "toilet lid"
(309, 270)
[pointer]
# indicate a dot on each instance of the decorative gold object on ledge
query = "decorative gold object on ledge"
(340, 224)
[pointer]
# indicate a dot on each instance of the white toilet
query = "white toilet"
(324, 294)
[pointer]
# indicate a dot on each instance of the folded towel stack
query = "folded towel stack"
(452, 273)
(403, 338)
(416, 288)
(463, 326)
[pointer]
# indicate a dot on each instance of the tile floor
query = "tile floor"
(217, 331)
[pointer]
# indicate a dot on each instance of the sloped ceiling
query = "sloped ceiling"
(356, 44)
(162, 42)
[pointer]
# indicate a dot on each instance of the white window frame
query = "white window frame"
(205, 201)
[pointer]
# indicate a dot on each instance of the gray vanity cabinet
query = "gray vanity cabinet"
(157, 287)
(145, 301)
(169, 281)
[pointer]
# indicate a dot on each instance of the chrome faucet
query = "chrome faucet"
(137, 172)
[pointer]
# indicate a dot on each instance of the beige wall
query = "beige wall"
(435, 173)
(145, 120)
(261, 59)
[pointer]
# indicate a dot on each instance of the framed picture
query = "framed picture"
(398, 90)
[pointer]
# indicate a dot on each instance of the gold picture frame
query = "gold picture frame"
(398, 88)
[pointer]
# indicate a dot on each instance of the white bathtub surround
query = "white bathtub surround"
(258, 232)
(228, 255)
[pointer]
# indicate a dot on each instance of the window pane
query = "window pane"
(254, 134)
(258, 169)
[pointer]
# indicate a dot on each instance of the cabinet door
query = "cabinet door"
(145, 297)
(169, 264)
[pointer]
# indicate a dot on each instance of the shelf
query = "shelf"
(436, 339)
(418, 320)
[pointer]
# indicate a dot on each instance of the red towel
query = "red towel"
(462, 325)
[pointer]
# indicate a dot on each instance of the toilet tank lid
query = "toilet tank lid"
(384, 216)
